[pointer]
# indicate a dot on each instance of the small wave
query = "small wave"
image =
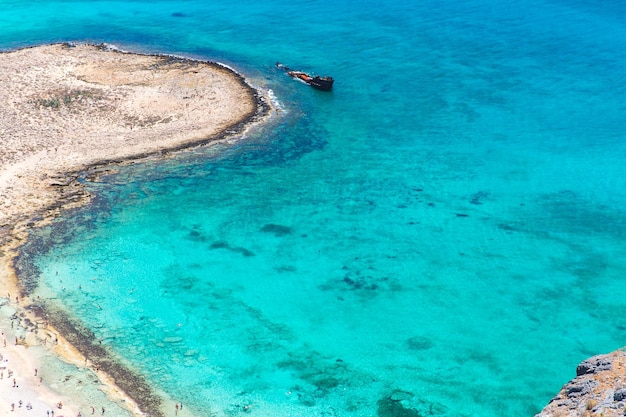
(275, 102)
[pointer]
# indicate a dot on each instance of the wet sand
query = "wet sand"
(68, 108)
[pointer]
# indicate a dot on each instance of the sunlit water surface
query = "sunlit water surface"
(444, 232)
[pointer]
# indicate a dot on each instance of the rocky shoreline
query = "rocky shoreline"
(85, 106)
(599, 389)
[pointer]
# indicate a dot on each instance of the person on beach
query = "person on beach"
(176, 413)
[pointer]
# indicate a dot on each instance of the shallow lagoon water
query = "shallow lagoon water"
(443, 232)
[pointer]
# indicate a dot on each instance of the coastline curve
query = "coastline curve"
(77, 108)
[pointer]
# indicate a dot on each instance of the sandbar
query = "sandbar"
(67, 108)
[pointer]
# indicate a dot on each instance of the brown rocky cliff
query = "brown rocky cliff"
(599, 389)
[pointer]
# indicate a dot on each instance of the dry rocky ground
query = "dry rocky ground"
(599, 389)
(65, 107)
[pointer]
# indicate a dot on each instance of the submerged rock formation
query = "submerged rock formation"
(599, 389)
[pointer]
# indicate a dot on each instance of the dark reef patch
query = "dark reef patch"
(174, 283)
(351, 283)
(404, 404)
(419, 343)
(243, 251)
(220, 244)
(478, 198)
(196, 236)
(322, 375)
(507, 227)
(390, 407)
(277, 229)
(285, 268)
(361, 277)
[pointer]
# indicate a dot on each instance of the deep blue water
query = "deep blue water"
(444, 229)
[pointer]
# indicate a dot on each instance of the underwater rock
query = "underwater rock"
(399, 395)
(388, 407)
(507, 227)
(402, 403)
(285, 268)
(220, 244)
(277, 229)
(419, 343)
(196, 236)
(365, 283)
(243, 251)
(326, 383)
(477, 198)
(306, 399)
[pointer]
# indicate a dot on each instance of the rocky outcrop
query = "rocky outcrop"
(599, 389)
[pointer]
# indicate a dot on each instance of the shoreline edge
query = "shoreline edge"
(55, 187)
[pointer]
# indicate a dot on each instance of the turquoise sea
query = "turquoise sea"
(443, 234)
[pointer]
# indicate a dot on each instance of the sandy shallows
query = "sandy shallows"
(65, 107)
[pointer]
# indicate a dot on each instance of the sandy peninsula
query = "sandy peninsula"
(67, 108)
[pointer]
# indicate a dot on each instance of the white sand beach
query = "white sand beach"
(65, 108)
